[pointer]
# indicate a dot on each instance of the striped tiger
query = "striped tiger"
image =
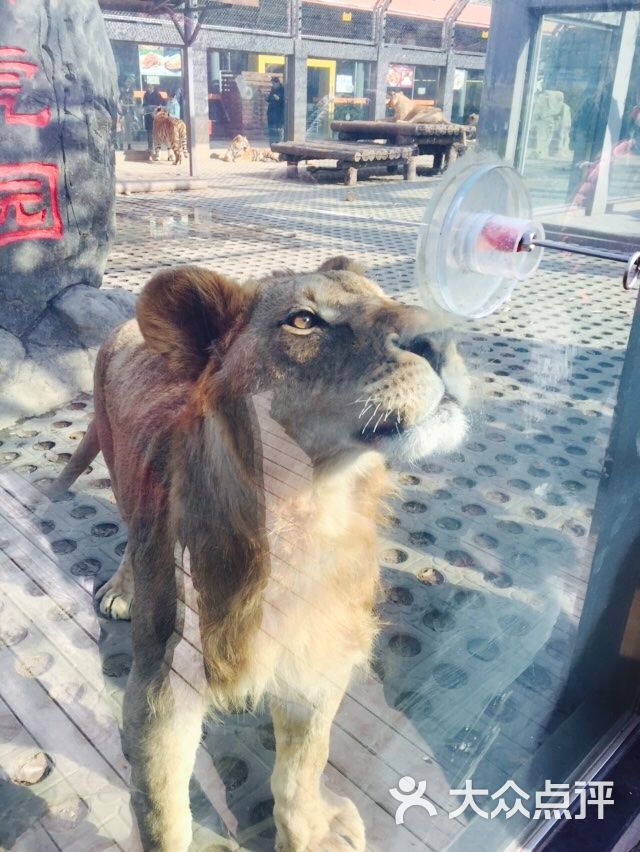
(171, 132)
(240, 149)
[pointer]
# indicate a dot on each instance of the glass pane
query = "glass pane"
(444, 620)
(418, 82)
(467, 93)
(337, 90)
(580, 150)
(246, 97)
(149, 77)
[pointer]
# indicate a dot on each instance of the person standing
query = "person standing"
(275, 111)
(173, 107)
(179, 96)
(150, 102)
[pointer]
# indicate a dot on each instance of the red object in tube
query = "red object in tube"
(500, 234)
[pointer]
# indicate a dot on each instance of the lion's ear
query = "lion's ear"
(340, 262)
(188, 313)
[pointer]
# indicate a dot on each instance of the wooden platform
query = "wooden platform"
(442, 140)
(351, 157)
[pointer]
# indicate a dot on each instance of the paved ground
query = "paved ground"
(135, 165)
(485, 564)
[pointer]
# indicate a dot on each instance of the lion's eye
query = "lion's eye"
(302, 320)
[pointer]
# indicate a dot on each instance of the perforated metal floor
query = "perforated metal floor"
(485, 564)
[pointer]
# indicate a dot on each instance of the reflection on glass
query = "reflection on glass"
(148, 76)
(337, 90)
(580, 154)
(418, 82)
(246, 96)
(467, 93)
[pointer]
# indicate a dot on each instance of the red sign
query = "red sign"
(400, 76)
(29, 202)
(14, 70)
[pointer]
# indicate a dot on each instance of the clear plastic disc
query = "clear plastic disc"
(469, 257)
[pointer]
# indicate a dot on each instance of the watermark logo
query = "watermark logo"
(552, 802)
(411, 794)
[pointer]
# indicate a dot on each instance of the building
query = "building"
(335, 59)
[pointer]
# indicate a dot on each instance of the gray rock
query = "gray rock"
(47, 379)
(12, 352)
(93, 313)
(51, 332)
(60, 140)
(58, 356)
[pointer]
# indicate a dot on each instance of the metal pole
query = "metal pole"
(618, 257)
(630, 276)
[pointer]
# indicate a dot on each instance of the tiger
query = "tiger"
(171, 132)
(240, 149)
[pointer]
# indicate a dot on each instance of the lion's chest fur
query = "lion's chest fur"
(317, 617)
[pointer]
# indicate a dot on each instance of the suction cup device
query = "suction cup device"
(477, 239)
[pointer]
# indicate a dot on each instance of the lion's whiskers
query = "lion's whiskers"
(367, 406)
(364, 429)
(381, 419)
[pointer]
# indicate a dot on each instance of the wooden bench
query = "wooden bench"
(443, 141)
(351, 157)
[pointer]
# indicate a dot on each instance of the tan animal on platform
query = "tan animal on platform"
(285, 580)
(240, 149)
(404, 109)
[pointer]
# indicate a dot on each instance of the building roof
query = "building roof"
(476, 14)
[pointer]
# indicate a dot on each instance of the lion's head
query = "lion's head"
(397, 100)
(349, 368)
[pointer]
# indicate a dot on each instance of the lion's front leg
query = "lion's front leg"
(162, 714)
(308, 816)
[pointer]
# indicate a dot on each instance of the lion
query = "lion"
(183, 394)
(240, 149)
(404, 109)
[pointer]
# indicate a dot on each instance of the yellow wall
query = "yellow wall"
(330, 66)
(265, 59)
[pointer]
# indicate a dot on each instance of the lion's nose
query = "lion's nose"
(421, 345)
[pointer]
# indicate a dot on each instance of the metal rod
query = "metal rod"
(618, 257)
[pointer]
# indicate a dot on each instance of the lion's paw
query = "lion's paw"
(347, 824)
(335, 826)
(116, 598)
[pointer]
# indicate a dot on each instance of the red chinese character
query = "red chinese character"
(14, 70)
(29, 202)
